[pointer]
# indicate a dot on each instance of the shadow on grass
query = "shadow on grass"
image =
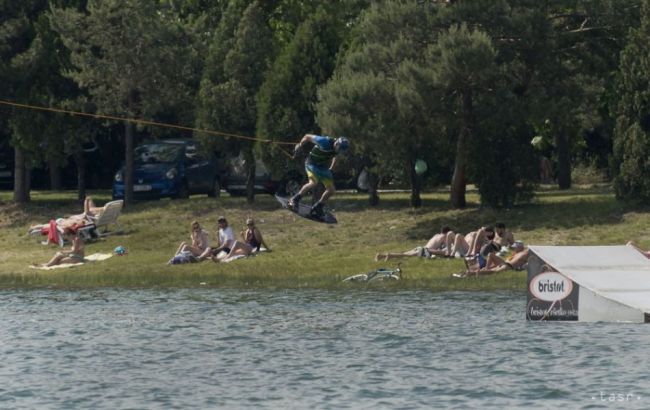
(553, 209)
(572, 211)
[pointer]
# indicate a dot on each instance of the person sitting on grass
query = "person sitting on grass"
(437, 246)
(252, 242)
(253, 237)
(469, 245)
(516, 261)
(226, 239)
(199, 238)
(502, 236)
(74, 255)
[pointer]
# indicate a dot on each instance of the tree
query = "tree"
(464, 65)
(128, 58)
(372, 92)
(632, 133)
(16, 36)
(229, 105)
(286, 101)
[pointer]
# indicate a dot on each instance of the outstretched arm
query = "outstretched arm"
(298, 149)
(333, 163)
(305, 139)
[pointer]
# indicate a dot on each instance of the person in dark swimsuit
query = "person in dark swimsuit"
(252, 241)
(253, 237)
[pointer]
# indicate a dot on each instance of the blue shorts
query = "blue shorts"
(481, 261)
(319, 173)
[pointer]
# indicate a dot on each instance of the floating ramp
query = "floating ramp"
(588, 284)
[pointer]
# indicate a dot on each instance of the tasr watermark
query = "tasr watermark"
(615, 397)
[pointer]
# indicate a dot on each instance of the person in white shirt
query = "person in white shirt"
(226, 239)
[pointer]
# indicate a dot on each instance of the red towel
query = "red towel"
(53, 234)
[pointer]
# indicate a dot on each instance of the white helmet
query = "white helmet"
(342, 144)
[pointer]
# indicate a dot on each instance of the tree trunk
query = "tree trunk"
(249, 159)
(416, 184)
(21, 186)
(128, 164)
(563, 159)
(81, 174)
(56, 180)
(373, 187)
(458, 180)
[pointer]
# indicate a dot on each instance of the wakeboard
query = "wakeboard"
(304, 210)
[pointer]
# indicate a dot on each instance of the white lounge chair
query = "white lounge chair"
(107, 217)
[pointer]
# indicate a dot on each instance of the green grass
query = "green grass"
(307, 254)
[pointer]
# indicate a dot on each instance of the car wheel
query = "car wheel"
(215, 192)
(183, 192)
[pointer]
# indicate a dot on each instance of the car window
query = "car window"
(157, 153)
(238, 166)
(260, 169)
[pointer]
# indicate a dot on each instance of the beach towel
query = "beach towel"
(234, 258)
(95, 257)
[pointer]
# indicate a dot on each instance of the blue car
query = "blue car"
(173, 169)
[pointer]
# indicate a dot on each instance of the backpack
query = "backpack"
(182, 257)
(488, 248)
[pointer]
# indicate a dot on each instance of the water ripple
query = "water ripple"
(297, 349)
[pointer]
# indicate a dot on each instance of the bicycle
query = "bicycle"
(378, 275)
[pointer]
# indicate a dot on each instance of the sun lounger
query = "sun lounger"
(108, 216)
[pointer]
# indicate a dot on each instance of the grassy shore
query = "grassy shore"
(307, 254)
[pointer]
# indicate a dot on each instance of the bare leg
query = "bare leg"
(307, 187)
(180, 248)
(89, 206)
(239, 248)
(412, 252)
(196, 252)
(60, 258)
(477, 241)
(494, 261)
(327, 194)
(460, 245)
(449, 243)
(207, 252)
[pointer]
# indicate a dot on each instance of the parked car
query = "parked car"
(236, 176)
(288, 185)
(6, 169)
(171, 168)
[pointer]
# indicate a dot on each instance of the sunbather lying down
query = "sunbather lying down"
(70, 224)
(495, 264)
(66, 224)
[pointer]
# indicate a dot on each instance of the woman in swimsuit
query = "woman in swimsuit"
(74, 255)
(252, 242)
(199, 237)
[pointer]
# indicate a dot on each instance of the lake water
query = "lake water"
(207, 348)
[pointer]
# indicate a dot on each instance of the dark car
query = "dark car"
(235, 180)
(6, 169)
(288, 185)
(171, 168)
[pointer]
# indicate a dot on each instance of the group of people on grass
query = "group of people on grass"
(196, 250)
(486, 250)
(227, 247)
(76, 252)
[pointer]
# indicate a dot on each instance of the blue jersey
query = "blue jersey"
(323, 151)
